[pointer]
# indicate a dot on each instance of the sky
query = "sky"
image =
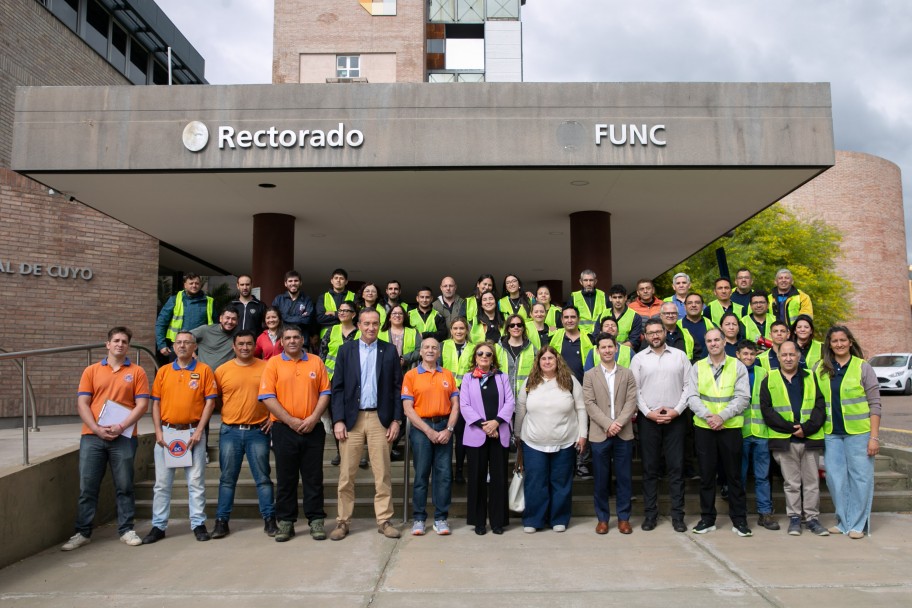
(862, 47)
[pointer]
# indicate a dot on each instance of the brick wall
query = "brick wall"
(861, 196)
(41, 311)
(344, 27)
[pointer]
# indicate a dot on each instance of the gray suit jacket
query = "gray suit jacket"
(598, 402)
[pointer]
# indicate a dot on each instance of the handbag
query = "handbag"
(516, 498)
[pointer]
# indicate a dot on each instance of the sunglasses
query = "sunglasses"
(484, 354)
(515, 325)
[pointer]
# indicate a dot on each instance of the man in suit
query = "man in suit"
(610, 394)
(366, 408)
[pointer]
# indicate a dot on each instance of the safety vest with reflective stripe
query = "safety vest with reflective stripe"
(792, 305)
(752, 330)
(588, 317)
(814, 354)
(688, 341)
(478, 331)
(754, 426)
(409, 340)
(625, 323)
(506, 308)
(532, 334)
(624, 354)
(557, 343)
(423, 326)
(177, 316)
(471, 307)
(856, 414)
(332, 347)
(329, 305)
(763, 359)
(551, 316)
(715, 397)
(716, 311)
(523, 364)
(458, 365)
(783, 406)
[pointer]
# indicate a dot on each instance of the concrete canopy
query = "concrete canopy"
(430, 179)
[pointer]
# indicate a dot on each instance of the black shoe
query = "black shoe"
(481, 530)
(497, 530)
(724, 492)
(679, 525)
(270, 527)
(582, 471)
(395, 456)
(201, 533)
(221, 528)
(458, 477)
(336, 460)
(648, 525)
(154, 535)
(363, 463)
(704, 526)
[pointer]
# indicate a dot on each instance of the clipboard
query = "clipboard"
(114, 413)
(177, 454)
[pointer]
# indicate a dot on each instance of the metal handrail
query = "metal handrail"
(21, 359)
(31, 395)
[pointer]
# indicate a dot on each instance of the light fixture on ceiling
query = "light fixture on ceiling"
(556, 233)
(579, 182)
(266, 185)
(318, 235)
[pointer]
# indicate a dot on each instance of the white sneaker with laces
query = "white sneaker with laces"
(417, 528)
(76, 541)
(442, 527)
(131, 538)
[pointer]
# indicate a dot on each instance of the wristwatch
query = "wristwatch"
(451, 429)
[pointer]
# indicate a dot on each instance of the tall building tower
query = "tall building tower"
(333, 41)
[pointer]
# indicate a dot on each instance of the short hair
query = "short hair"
(746, 344)
(229, 308)
(425, 288)
(778, 322)
(570, 307)
(652, 321)
(693, 293)
(641, 281)
(368, 311)
(186, 333)
(522, 323)
(588, 273)
(712, 329)
(244, 333)
(398, 284)
(743, 269)
(292, 274)
(681, 274)
(784, 271)
(617, 288)
(189, 276)
(120, 329)
(604, 336)
(288, 328)
(340, 271)
(760, 293)
(726, 279)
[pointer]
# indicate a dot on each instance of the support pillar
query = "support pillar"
(273, 252)
(590, 246)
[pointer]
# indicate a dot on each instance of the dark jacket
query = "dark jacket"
(298, 312)
(250, 315)
(779, 424)
(346, 384)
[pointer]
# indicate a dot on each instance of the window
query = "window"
(67, 11)
(118, 47)
(96, 31)
(348, 66)
(139, 62)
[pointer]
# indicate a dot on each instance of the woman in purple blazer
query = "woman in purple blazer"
(486, 404)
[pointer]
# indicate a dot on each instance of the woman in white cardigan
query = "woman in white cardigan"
(551, 421)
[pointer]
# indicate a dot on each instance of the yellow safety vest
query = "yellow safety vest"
(557, 343)
(815, 354)
(409, 339)
(523, 364)
(506, 308)
(177, 316)
(332, 348)
(458, 365)
(783, 406)
(715, 397)
(752, 330)
(716, 311)
(856, 413)
(688, 341)
(329, 305)
(423, 326)
(625, 323)
(754, 426)
(478, 331)
(588, 318)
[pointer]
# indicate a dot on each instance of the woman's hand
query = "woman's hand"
(873, 447)
(518, 467)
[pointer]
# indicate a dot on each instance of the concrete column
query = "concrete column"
(590, 246)
(273, 252)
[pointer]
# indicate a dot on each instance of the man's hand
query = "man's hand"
(392, 432)
(160, 439)
(580, 445)
(196, 437)
(798, 432)
(267, 425)
(340, 431)
(165, 351)
(614, 429)
(307, 425)
(715, 422)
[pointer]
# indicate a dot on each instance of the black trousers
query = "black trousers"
(658, 441)
(458, 446)
(298, 455)
(720, 450)
(487, 500)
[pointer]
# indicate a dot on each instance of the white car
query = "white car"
(894, 371)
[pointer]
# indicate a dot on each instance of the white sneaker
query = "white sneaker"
(442, 527)
(76, 541)
(529, 530)
(131, 538)
(417, 528)
(560, 528)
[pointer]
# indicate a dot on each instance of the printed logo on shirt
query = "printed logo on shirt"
(177, 448)
(193, 384)
(446, 384)
(194, 376)
(313, 375)
(128, 378)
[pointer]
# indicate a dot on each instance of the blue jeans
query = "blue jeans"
(548, 486)
(234, 443)
(758, 449)
(94, 455)
(618, 452)
(850, 479)
(196, 488)
(428, 456)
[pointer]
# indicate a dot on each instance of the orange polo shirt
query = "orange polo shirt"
(430, 391)
(239, 386)
(182, 392)
(101, 383)
(296, 384)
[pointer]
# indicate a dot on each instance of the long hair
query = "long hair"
(389, 317)
(809, 320)
(498, 316)
(564, 376)
(359, 299)
(523, 300)
(493, 287)
(828, 358)
(495, 366)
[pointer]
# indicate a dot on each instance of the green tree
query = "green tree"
(775, 238)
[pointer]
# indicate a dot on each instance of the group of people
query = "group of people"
(735, 382)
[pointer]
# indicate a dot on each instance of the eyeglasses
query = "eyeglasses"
(484, 354)
(345, 310)
(396, 314)
(655, 333)
(669, 314)
(515, 325)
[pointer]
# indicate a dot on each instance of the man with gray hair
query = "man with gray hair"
(589, 301)
(786, 300)
(681, 285)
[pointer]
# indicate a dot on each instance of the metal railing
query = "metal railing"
(28, 394)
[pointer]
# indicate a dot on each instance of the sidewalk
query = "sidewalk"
(577, 568)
